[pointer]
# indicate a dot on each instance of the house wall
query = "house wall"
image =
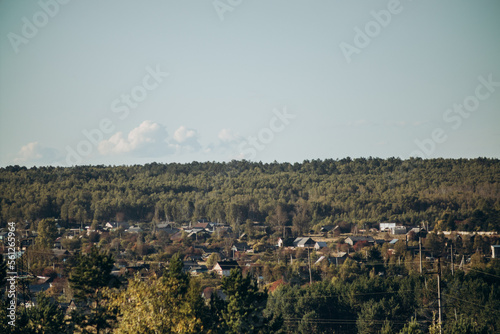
(495, 252)
(398, 230)
(384, 226)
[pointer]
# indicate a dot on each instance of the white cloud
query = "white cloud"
(228, 135)
(35, 154)
(186, 139)
(184, 134)
(147, 139)
(30, 151)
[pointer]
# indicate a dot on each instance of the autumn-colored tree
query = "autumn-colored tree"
(171, 304)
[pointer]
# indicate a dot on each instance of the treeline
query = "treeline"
(463, 194)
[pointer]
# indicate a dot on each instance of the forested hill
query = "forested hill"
(463, 194)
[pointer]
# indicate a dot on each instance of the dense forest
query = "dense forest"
(462, 194)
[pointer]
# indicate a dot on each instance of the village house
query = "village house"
(285, 242)
(320, 244)
(326, 229)
(223, 268)
(167, 228)
(354, 239)
(386, 227)
(134, 229)
(338, 258)
(417, 232)
(197, 270)
(398, 230)
(304, 242)
(240, 247)
(116, 225)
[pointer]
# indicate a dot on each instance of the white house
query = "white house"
(385, 227)
(223, 268)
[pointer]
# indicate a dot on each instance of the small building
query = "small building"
(71, 307)
(240, 247)
(320, 260)
(386, 227)
(304, 242)
(393, 242)
(338, 258)
(134, 229)
(3, 236)
(320, 244)
(326, 229)
(57, 252)
(417, 232)
(223, 268)
(115, 225)
(197, 270)
(167, 227)
(354, 239)
(398, 230)
(197, 234)
(495, 252)
(285, 242)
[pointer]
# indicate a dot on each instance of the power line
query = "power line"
(474, 269)
(468, 301)
(348, 321)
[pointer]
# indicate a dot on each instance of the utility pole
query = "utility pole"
(310, 274)
(452, 266)
(439, 294)
(420, 252)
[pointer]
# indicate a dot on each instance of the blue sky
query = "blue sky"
(131, 82)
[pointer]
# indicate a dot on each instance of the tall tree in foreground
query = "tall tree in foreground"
(46, 317)
(90, 278)
(171, 304)
(245, 304)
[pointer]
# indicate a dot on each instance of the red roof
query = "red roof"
(276, 284)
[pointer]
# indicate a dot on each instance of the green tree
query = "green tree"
(245, 304)
(467, 325)
(46, 317)
(213, 259)
(47, 233)
(89, 279)
(91, 273)
(411, 328)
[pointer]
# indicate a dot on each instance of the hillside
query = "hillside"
(464, 194)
